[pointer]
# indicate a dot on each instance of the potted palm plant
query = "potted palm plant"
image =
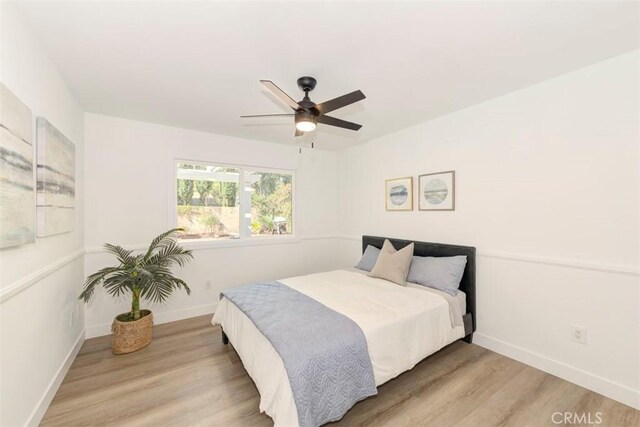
(145, 276)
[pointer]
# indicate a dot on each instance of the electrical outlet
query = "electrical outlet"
(579, 334)
(208, 285)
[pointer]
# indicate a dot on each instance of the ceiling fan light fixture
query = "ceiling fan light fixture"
(305, 122)
(304, 126)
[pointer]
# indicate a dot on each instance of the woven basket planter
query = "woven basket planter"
(132, 336)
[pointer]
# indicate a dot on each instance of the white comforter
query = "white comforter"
(402, 325)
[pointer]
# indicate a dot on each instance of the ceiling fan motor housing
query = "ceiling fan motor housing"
(306, 83)
(305, 116)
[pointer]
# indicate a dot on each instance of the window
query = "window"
(233, 202)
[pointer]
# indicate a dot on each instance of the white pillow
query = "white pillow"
(393, 265)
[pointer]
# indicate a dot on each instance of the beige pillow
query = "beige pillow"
(393, 265)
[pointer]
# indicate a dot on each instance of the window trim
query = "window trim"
(243, 239)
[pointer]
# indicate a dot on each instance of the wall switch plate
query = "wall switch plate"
(71, 318)
(579, 334)
(208, 285)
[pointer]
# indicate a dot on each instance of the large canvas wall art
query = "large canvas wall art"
(17, 197)
(56, 185)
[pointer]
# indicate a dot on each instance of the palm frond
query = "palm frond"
(93, 280)
(170, 254)
(155, 270)
(173, 253)
(182, 284)
(162, 240)
(123, 255)
(119, 283)
(159, 289)
(160, 284)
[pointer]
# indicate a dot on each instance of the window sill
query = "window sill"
(200, 244)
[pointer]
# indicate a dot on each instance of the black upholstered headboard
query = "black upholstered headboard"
(468, 282)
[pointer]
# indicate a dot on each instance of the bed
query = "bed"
(402, 324)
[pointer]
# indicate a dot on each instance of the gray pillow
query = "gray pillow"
(369, 258)
(443, 273)
(393, 265)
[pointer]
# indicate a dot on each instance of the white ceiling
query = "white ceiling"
(197, 64)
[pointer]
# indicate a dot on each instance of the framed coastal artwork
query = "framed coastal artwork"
(17, 192)
(56, 184)
(399, 194)
(437, 191)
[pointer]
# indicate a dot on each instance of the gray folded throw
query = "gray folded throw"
(324, 352)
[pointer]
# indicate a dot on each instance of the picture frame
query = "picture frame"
(437, 191)
(56, 176)
(399, 194)
(17, 186)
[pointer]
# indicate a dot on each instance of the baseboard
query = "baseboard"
(158, 318)
(52, 388)
(600, 385)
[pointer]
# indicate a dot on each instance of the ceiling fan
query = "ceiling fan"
(307, 113)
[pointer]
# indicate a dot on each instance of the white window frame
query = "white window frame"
(245, 239)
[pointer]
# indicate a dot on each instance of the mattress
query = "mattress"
(402, 326)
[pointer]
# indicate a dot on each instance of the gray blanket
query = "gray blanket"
(324, 352)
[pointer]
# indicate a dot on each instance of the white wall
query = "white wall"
(548, 190)
(129, 175)
(40, 282)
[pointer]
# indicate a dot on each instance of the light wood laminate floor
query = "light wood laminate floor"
(186, 377)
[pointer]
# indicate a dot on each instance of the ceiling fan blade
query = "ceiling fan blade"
(332, 121)
(280, 94)
(339, 102)
(267, 115)
(299, 132)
